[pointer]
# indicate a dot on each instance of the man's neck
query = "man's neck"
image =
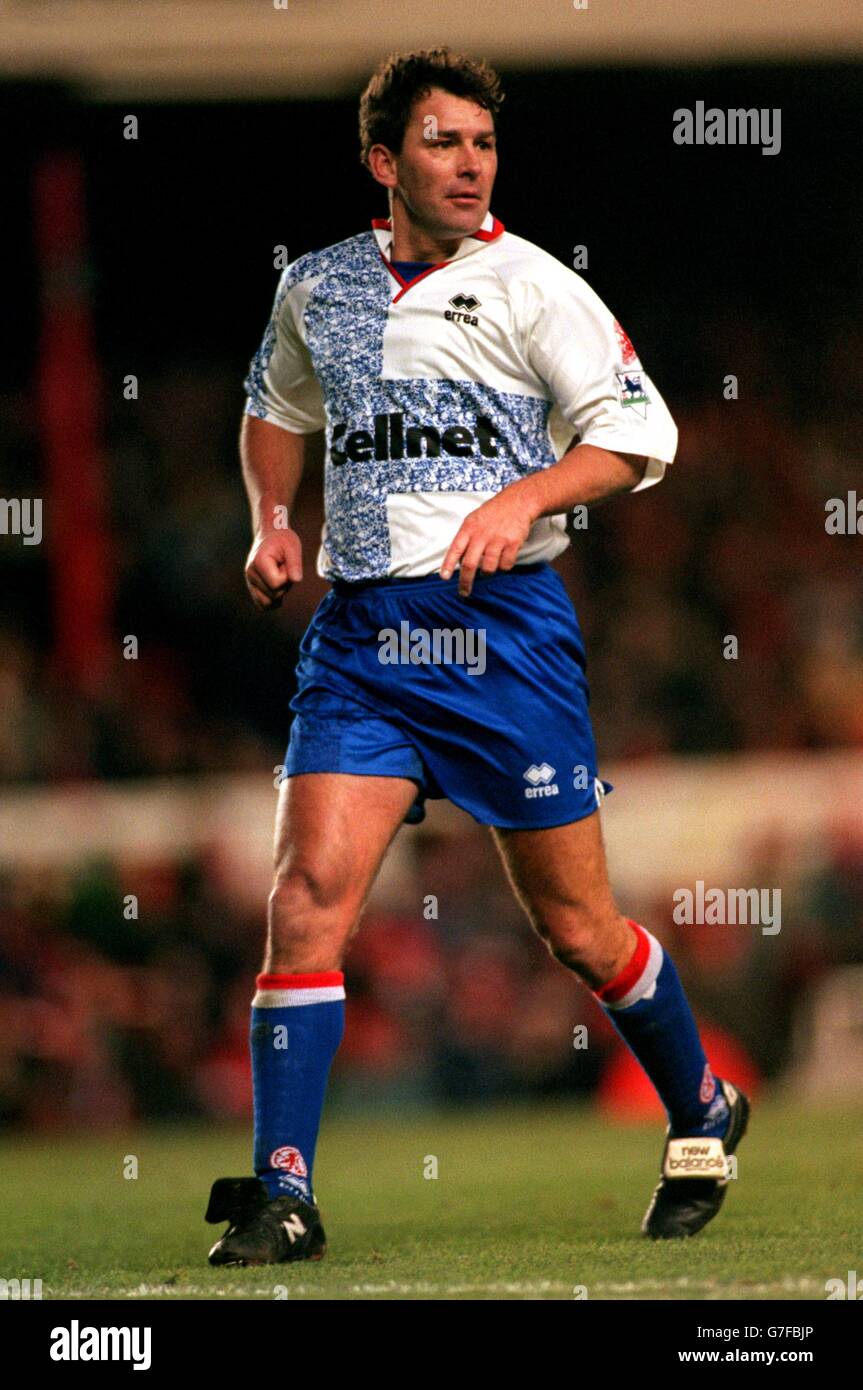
(414, 243)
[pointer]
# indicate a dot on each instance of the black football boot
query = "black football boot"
(694, 1175)
(263, 1230)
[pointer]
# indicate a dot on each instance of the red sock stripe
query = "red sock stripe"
(630, 974)
(320, 980)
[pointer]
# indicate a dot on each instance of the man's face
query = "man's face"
(446, 168)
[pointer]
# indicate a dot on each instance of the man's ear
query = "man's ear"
(382, 166)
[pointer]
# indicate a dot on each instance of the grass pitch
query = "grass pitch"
(529, 1203)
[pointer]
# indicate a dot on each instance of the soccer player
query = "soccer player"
(474, 391)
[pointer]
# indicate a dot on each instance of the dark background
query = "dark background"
(718, 260)
(184, 218)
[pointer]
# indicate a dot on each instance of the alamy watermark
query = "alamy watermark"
(77, 1343)
(22, 516)
(844, 515)
(20, 1289)
(438, 646)
(736, 126)
(850, 1288)
(729, 907)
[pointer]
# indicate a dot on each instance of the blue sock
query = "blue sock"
(650, 1011)
(297, 1025)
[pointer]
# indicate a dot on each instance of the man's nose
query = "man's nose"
(469, 164)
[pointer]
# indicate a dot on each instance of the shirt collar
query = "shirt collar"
(490, 230)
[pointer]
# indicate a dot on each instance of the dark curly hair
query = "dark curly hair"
(385, 105)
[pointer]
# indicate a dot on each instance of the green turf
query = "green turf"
(528, 1203)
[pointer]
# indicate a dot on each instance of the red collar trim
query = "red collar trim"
(384, 224)
(497, 229)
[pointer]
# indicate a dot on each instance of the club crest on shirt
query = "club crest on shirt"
(628, 355)
(631, 392)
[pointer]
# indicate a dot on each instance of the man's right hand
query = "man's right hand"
(275, 562)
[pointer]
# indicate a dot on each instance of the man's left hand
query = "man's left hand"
(489, 538)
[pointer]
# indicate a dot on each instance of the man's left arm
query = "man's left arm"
(578, 350)
(490, 538)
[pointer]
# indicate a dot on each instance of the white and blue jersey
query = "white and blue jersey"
(435, 392)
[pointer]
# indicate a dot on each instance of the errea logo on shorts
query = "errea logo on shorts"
(540, 779)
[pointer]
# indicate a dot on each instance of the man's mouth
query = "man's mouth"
(463, 197)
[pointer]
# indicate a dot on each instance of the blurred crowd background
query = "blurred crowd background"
(732, 542)
(107, 1020)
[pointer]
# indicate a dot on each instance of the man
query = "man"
(452, 365)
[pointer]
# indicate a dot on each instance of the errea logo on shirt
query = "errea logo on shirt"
(462, 311)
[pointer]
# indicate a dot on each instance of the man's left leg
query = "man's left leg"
(560, 877)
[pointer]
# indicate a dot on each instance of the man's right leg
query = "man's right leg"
(332, 831)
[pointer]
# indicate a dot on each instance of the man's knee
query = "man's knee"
(570, 931)
(306, 901)
(310, 920)
(587, 938)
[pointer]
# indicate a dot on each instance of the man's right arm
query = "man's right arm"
(272, 460)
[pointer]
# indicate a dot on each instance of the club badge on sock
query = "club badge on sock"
(708, 1086)
(290, 1167)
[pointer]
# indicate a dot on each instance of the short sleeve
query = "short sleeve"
(281, 385)
(593, 374)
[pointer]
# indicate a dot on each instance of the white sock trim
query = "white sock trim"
(645, 985)
(291, 998)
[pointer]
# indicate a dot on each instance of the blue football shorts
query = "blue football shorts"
(483, 700)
